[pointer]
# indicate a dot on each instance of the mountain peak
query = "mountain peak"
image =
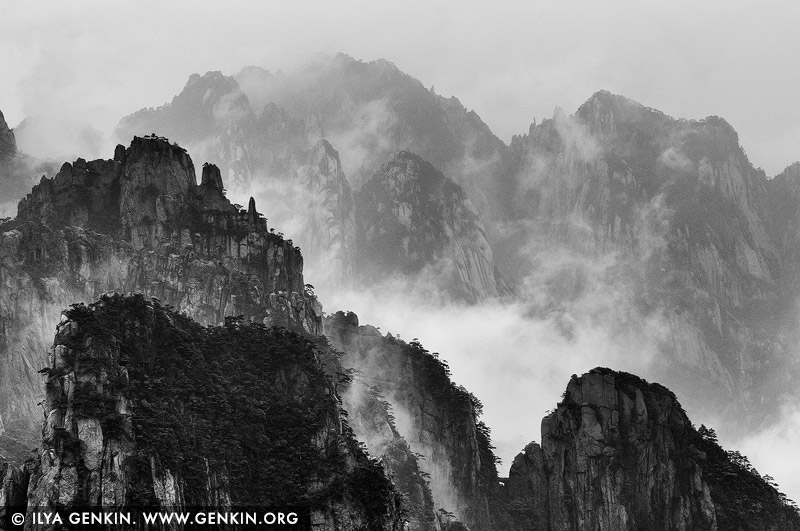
(603, 112)
(211, 76)
(792, 170)
(591, 452)
(407, 156)
(323, 146)
(8, 143)
(408, 167)
(156, 144)
(410, 216)
(604, 98)
(211, 176)
(211, 102)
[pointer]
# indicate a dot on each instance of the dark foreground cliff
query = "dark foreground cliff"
(619, 453)
(145, 407)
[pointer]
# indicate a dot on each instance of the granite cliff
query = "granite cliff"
(8, 144)
(373, 422)
(682, 228)
(415, 222)
(138, 222)
(147, 408)
(263, 131)
(267, 154)
(619, 453)
(18, 170)
(434, 416)
(141, 223)
(322, 200)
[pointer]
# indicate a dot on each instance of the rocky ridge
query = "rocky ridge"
(269, 155)
(8, 144)
(435, 417)
(18, 170)
(140, 223)
(415, 222)
(682, 222)
(262, 130)
(327, 225)
(371, 110)
(618, 453)
(146, 408)
(371, 418)
(674, 206)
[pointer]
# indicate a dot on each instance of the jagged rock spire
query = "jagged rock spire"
(211, 176)
(8, 143)
(252, 214)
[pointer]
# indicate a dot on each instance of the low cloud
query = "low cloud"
(516, 362)
(370, 133)
(62, 139)
(774, 450)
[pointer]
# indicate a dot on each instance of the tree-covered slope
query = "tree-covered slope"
(145, 407)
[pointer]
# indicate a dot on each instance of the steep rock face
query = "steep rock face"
(677, 217)
(438, 419)
(136, 223)
(268, 154)
(784, 225)
(8, 144)
(370, 416)
(207, 104)
(145, 407)
(412, 220)
(18, 171)
(212, 118)
(258, 127)
(328, 231)
(619, 453)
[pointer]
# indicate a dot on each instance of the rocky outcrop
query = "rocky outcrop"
(370, 416)
(146, 408)
(618, 453)
(8, 144)
(266, 153)
(211, 117)
(438, 419)
(18, 171)
(207, 105)
(413, 221)
(326, 206)
(784, 226)
(262, 130)
(670, 216)
(140, 223)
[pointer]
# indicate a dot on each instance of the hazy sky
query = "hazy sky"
(509, 61)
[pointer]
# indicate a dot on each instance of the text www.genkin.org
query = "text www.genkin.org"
(196, 519)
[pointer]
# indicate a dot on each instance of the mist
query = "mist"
(55, 138)
(518, 365)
